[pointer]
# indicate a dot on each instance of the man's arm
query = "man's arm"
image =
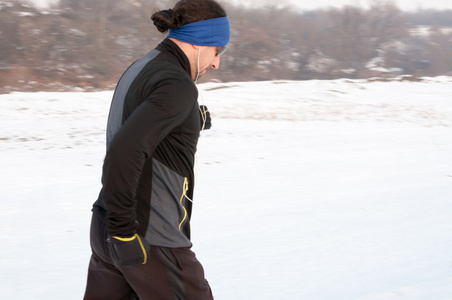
(135, 142)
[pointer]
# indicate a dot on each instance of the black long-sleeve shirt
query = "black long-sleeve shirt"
(152, 133)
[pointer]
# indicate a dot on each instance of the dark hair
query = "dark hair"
(186, 12)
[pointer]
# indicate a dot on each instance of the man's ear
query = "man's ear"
(196, 47)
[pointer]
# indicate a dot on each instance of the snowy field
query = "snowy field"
(305, 190)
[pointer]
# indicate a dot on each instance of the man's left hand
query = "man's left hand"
(206, 121)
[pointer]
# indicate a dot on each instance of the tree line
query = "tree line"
(89, 43)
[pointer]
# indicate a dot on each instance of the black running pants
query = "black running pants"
(169, 274)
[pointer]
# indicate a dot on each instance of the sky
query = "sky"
(402, 4)
(406, 5)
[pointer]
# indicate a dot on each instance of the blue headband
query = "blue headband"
(212, 32)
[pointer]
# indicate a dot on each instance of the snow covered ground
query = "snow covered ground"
(305, 190)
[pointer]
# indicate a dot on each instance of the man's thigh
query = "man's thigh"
(170, 273)
(105, 282)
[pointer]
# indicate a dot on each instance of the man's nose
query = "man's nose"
(215, 64)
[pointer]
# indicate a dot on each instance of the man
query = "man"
(140, 230)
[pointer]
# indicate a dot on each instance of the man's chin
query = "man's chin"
(200, 74)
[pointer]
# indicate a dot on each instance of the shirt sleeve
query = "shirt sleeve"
(168, 106)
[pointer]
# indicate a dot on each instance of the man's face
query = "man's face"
(208, 58)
